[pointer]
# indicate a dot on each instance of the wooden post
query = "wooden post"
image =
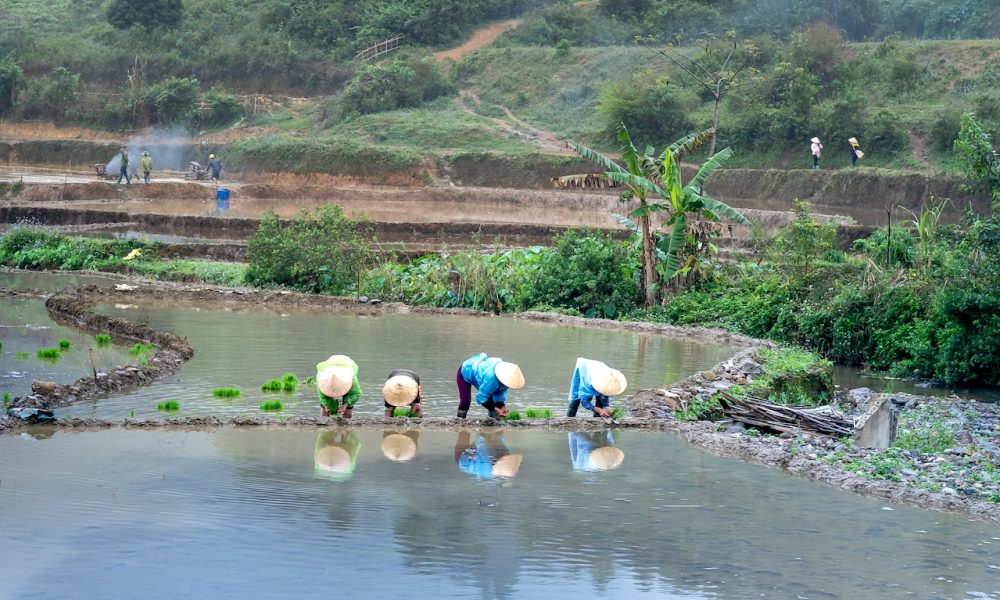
(93, 366)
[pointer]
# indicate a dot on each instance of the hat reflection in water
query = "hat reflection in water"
(400, 447)
(488, 457)
(594, 451)
(336, 454)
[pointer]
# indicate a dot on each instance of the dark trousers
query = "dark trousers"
(465, 394)
(815, 162)
(124, 173)
(575, 405)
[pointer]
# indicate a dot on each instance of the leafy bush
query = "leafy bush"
(53, 96)
(31, 247)
(318, 251)
(173, 100)
(653, 108)
(11, 82)
(398, 84)
(591, 273)
(222, 108)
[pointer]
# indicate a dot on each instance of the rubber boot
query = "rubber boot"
(462, 414)
(493, 415)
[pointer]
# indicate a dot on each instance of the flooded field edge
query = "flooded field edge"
(172, 352)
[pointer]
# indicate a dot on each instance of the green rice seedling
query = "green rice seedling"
(538, 413)
(64, 344)
(273, 385)
(139, 349)
(103, 339)
(48, 353)
(169, 405)
(6, 399)
(271, 405)
(404, 412)
(617, 412)
(225, 392)
(513, 416)
(310, 380)
(21, 355)
(1, 345)
(290, 377)
(290, 382)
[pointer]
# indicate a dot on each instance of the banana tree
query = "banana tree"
(635, 168)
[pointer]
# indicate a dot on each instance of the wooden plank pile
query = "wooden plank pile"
(778, 417)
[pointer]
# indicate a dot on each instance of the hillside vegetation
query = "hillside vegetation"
(840, 69)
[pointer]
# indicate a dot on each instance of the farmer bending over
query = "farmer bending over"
(337, 385)
(402, 389)
(593, 384)
(492, 377)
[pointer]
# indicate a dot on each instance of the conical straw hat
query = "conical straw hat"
(510, 375)
(335, 381)
(333, 459)
(508, 465)
(604, 458)
(815, 140)
(400, 390)
(608, 381)
(852, 140)
(398, 447)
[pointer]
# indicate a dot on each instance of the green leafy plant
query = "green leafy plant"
(48, 353)
(538, 413)
(271, 406)
(168, 405)
(274, 385)
(226, 392)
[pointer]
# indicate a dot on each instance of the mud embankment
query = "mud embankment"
(169, 353)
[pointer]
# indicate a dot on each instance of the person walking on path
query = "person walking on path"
(147, 166)
(817, 151)
(337, 386)
(492, 377)
(214, 166)
(856, 153)
(593, 384)
(123, 169)
(402, 389)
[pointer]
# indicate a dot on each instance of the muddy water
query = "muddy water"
(25, 326)
(847, 378)
(231, 513)
(51, 282)
(245, 349)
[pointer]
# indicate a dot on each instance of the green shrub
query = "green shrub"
(222, 108)
(173, 100)
(11, 82)
(225, 392)
(653, 108)
(396, 84)
(169, 405)
(538, 413)
(318, 251)
(274, 385)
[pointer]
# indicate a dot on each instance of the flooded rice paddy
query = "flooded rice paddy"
(244, 349)
(25, 327)
(243, 513)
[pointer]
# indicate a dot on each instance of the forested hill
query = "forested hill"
(898, 74)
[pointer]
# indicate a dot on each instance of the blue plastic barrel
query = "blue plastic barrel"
(222, 199)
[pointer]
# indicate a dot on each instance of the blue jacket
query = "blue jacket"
(480, 371)
(580, 389)
(580, 445)
(479, 462)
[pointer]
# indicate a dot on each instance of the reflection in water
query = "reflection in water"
(400, 447)
(488, 457)
(233, 512)
(594, 451)
(336, 454)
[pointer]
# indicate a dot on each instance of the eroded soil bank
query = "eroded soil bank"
(788, 454)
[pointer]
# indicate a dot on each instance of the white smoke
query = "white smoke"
(170, 148)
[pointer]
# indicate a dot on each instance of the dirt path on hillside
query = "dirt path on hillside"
(480, 39)
(547, 141)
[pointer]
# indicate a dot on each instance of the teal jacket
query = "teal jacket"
(581, 389)
(352, 395)
(480, 371)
